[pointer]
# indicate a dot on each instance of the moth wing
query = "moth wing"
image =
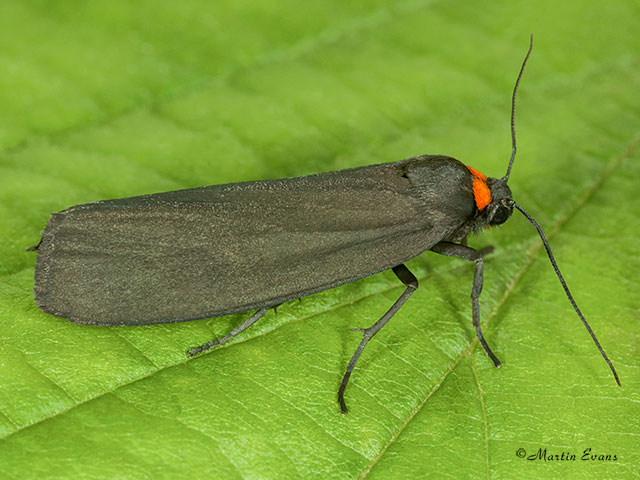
(222, 249)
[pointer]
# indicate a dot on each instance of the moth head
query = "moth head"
(501, 206)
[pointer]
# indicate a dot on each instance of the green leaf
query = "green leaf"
(106, 99)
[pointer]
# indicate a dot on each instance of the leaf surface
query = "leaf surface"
(110, 99)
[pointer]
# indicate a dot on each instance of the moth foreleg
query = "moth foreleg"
(468, 253)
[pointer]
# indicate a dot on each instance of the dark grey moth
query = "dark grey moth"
(222, 249)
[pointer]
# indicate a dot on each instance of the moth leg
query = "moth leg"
(468, 253)
(239, 329)
(411, 283)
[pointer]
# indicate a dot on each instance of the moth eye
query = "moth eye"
(501, 215)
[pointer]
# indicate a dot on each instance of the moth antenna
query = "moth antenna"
(513, 111)
(567, 291)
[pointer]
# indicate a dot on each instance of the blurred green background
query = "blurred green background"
(106, 99)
